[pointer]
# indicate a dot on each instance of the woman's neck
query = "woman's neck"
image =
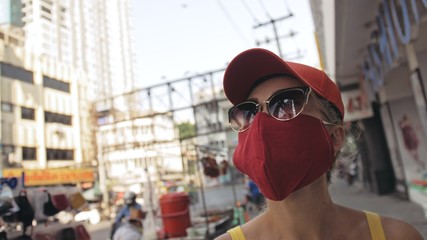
(305, 214)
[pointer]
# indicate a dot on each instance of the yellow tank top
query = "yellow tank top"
(374, 222)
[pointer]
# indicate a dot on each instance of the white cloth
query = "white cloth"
(127, 232)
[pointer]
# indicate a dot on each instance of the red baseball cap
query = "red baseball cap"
(251, 65)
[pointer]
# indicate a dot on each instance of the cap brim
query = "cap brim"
(249, 66)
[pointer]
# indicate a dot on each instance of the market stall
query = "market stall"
(43, 204)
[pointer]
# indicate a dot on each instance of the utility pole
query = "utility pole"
(276, 35)
(102, 173)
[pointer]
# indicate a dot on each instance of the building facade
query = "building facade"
(45, 121)
(377, 52)
(131, 146)
(92, 35)
(57, 57)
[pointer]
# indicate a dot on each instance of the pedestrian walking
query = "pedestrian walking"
(290, 122)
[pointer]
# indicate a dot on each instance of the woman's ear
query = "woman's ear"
(337, 136)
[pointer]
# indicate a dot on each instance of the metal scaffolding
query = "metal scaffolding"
(197, 101)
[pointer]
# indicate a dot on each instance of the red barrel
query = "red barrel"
(175, 214)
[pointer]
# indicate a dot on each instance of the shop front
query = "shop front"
(380, 58)
(46, 203)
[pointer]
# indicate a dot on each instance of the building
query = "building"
(136, 134)
(92, 35)
(130, 143)
(377, 52)
(139, 129)
(213, 134)
(45, 121)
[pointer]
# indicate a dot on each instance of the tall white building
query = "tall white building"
(93, 35)
(45, 121)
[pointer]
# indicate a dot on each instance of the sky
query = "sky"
(175, 39)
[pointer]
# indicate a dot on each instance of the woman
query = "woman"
(290, 122)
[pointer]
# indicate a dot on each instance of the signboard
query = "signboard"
(42, 177)
(356, 105)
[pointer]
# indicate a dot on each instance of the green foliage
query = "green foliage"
(186, 130)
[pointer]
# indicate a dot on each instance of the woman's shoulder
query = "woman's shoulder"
(224, 236)
(357, 223)
(243, 228)
(398, 229)
(249, 229)
(394, 228)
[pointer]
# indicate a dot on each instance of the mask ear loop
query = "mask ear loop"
(335, 159)
(332, 167)
(328, 123)
(339, 150)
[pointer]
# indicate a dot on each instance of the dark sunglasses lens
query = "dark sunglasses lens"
(242, 115)
(287, 104)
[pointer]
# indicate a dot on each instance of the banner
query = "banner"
(42, 177)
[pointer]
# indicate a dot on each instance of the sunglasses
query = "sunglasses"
(283, 105)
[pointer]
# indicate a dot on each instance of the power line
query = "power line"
(276, 35)
(250, 11)
(287, 6)
(233, 24)
(268, 40)
(265, 9)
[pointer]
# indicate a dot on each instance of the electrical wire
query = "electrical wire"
(250, 11)
(287, 7)
(265, 9)
(233, 24)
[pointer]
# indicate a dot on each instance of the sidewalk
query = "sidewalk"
(387, 205)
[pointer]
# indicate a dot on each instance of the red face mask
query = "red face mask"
(282, 157)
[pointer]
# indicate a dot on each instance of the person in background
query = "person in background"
(193, 193)
(132, 228)
(254, 195)
(289, 119)
(130, 202)
(130, 205)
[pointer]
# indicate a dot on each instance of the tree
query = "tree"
(186, 130)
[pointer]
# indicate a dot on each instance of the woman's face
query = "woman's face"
(264, 90)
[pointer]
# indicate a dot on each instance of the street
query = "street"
(99, 231)
(387, 205)
(351, 196)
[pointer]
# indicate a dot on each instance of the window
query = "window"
(7, 149)
(17, 73)
(46, 10)
(29, 153)
(6, 107)
(46, 17)
(50, 117)
(56, 84)
(27, 113)
(48, 2)
(59, 154)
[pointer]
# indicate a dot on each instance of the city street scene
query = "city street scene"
(138, 119)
